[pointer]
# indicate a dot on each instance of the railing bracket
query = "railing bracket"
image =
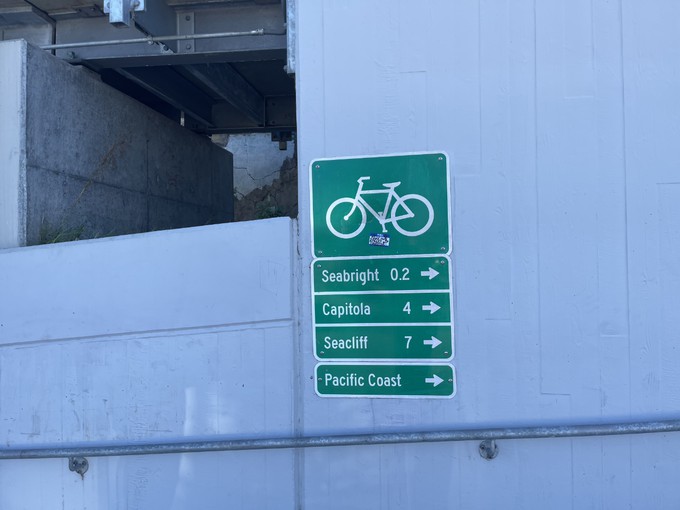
(78, 464)
(488, 449)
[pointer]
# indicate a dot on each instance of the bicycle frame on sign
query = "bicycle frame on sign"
(381, 217)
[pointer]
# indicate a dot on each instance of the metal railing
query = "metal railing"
(150, 39)
(218, 445)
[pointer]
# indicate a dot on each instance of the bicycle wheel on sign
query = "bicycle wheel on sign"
(346, 218)
(412, 215)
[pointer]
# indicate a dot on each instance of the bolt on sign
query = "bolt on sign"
(381, 279)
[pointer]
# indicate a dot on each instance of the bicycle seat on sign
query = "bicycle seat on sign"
(391, 184)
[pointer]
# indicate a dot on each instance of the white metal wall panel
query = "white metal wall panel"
(161, 281)
(561, 120)
(167, 336)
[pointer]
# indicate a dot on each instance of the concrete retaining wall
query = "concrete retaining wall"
(94, 162)
(151, 337)
(257, 160)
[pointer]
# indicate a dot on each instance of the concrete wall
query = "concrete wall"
(39, 33)
(98, 163)
(257, 160)
(185, 333)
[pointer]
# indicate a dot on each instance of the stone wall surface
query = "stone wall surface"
(97, 163)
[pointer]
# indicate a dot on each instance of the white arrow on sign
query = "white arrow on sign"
(434, 381)
(432, 307)
(430, 272)
(434, 341)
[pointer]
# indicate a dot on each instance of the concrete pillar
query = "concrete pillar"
(79, 159)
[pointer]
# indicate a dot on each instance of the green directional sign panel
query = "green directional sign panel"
(418, 342)
(380, 206)
(382, 276)
(391, 381)
(406, 307)
(366, 275)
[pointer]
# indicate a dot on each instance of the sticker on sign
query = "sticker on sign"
(379, 240)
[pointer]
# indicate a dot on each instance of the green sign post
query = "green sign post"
(381, 279)
(335, 380)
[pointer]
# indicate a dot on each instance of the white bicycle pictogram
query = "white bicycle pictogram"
(400, 211)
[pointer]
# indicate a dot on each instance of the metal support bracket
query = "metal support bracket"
(283, 137)
(488, 449)
(185, 26)
(120, 11)
(78, 464)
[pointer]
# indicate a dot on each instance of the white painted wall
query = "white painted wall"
(561, 120)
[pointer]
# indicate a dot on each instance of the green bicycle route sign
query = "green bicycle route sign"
(378, 206)
(381, 278)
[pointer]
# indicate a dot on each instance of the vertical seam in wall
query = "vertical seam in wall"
(298, 363)
(573, 467)
(625, 216)
(536, 174)
(323, 78)
(301, 254)
(479, 86)
(22, 202)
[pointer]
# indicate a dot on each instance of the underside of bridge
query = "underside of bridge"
(222, 66)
